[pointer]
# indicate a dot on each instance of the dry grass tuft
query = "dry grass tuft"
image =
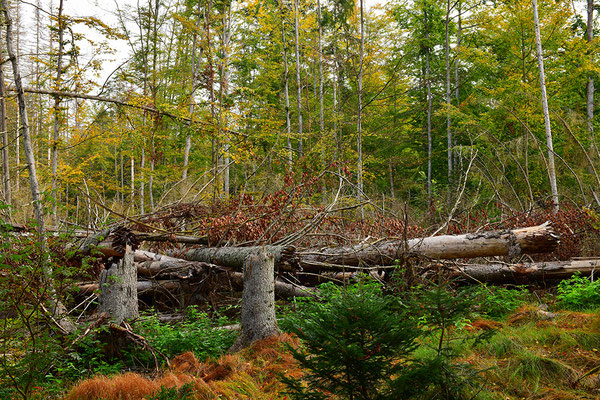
(249, 374)
(128, 386)
(484, 325)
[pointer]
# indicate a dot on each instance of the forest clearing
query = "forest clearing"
(300, 199)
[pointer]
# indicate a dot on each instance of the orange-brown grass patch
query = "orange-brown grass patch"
(483, 325)
(128, 386)
(250, 374)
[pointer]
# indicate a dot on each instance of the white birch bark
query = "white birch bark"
(549, 143)
(298, 81)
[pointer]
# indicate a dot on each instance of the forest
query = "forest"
(299, 199)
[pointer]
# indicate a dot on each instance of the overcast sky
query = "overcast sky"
(103, 9)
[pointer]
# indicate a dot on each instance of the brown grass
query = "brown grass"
(249, 374)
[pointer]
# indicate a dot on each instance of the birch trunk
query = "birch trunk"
(429, 111)
(58, 310)
(448, 93)
(549, 143)
(195, 65)
(3, 127)
(286, 76)
(589, 35)
(56, 131)
(359, 117)
(298, 81)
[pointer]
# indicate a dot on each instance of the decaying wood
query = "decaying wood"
(531, 240)
(511, 273)
(282, 289)
(153, 265)
(143, 287)
(118, 297)
(232, 257)
(258, 300)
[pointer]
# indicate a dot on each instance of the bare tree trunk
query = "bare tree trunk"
(56, 134)
(195, 65)
(286, 80)
(298, 81)
(429, 111)
(456, 71)
(258, 300)
(223, 91)
(119, 295)
(359, 116)
(540, 56)
(3, 127)
(321, 106)
(57, 308)
(142, 162)
(590, 83)
(448, 93)
(132, 176)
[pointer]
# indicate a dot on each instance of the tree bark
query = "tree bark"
(4, 128)
(448, 93)
(531, 240)
(519, 273)
(429, 110)
(119, 296)
(359, 116)
(258, 300)
(56, 112)
(188, 137)
(231, 257)
(549, 143)
(288, 123)
(58, 310)
(298, 81)
(589, 36)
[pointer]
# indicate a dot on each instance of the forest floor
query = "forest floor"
(526, 357)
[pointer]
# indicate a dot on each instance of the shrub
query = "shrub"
(357, 345)
(578, 292)
(496, 302)
(196, 334)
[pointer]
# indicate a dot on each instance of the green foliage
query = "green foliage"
(356, 345)
(578, 293)
(496, 302)
(182, 393)
(34, 273)
(359, 343)
(196, 334)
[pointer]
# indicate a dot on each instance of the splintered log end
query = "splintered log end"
(537, 239)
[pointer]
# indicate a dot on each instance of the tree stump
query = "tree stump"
(258, 300)
(118, 296)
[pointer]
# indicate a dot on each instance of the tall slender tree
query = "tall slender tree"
(548, 127)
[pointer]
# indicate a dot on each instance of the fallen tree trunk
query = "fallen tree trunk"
(520, 273)
(153, 265)
(531, 240)
(233, 257)
(143, 287)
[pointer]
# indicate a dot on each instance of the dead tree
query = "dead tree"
(258, 300)
(119, 295)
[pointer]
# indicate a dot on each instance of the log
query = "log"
(521, 273)
(153, 265)
(143, 287)
(232, 257)
(282, 289)
(531, 240)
